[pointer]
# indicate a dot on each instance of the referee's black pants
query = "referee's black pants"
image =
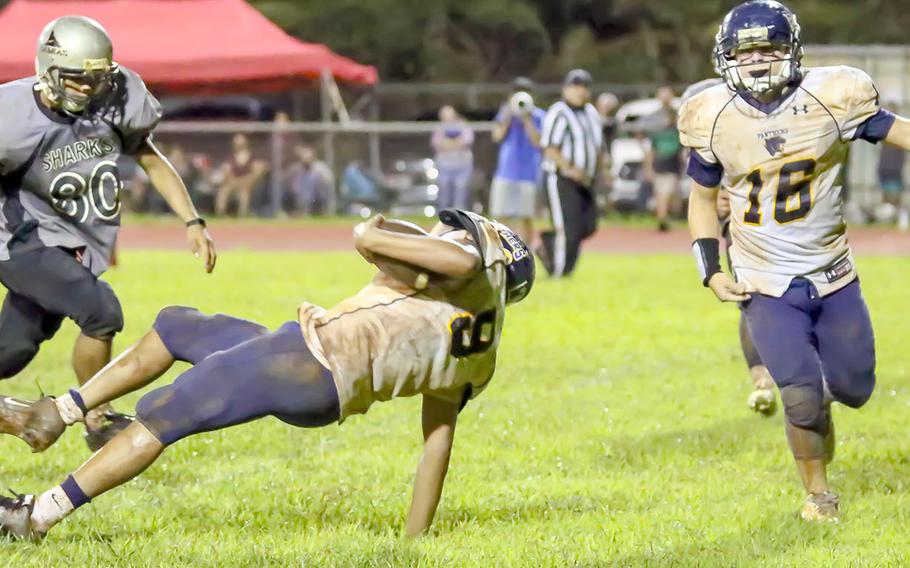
(574, 216)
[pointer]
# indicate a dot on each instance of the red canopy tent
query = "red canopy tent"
(182, 46)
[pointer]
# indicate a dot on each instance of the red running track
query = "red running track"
(284, 236)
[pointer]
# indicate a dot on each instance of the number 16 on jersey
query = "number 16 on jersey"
(793, 193)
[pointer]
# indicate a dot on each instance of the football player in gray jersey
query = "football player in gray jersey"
(63, 133)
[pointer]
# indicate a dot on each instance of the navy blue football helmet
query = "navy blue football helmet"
(520, 267)
(757, 24)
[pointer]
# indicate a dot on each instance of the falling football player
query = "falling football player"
(429, 323)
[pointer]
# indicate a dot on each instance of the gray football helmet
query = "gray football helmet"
(77, 49)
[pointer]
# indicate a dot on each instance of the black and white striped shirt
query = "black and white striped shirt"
(578, 133)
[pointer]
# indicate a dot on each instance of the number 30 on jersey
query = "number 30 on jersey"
(73, 196)
(793, 199)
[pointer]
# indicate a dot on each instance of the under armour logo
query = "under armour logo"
(797, 109)
(52, 41)
(775, 144)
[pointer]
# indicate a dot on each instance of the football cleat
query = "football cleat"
(16, 517)
(113, 423)
(821, 507)
(762, 401)
(38, 423)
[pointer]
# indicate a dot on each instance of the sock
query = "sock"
(70, 410)
(57, 503)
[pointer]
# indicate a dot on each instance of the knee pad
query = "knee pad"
(103, 317)
(804, 407)
(15, 355)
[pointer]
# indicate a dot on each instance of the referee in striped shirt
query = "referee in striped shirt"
(572, 139)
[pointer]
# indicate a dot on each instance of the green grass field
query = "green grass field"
(614, 433)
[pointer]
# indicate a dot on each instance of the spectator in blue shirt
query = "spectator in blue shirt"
(513, 195)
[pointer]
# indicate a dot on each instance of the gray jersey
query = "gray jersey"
(60, 173)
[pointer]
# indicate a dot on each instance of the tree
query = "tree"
(628, 41)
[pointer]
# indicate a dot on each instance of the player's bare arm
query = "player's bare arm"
(439, 418)
(165, 179)
(405, 227)
(899, 133)
(704, 228)
(435, 254)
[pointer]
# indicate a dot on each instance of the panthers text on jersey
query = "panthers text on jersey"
(385, 343)
(783, 165)
(59, 172)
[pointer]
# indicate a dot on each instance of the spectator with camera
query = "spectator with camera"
(513, 195)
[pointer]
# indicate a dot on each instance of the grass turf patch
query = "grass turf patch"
(615, 432)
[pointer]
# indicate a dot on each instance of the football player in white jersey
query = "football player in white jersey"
(776, 136)
(428, 323)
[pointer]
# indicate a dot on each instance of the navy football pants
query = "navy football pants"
(805, 339)
(44, 286)
(241, 372)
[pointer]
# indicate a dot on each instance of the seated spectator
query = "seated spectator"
(240, 176)
(310, 181)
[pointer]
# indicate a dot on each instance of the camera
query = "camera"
(521, 102)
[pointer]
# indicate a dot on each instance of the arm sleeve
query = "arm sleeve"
(140, 114)
(876, 127)
(695, 133)
(704, 173)
(859, 105)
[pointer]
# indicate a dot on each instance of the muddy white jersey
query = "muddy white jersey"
(783, 166)
(388, 341)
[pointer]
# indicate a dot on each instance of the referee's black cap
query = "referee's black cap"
(578, 77)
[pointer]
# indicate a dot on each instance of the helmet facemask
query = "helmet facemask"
(60, 86)
(758, 78)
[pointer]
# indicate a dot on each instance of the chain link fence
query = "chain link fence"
(306, 168)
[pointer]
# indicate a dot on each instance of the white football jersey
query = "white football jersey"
(783, 165)
(388, 342)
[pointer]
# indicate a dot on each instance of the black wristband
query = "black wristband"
(196, 221)
(707, 258)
